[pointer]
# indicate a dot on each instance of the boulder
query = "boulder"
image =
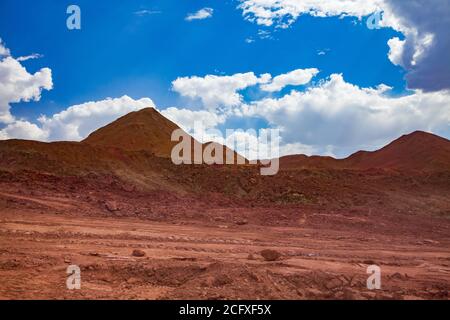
(138, 253)
(270, 255)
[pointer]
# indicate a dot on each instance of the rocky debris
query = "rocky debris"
(111, 206)
(138, 253)
(221, 280)
(349, 294)
(270, 255)
(333, 284)
(133, 280)
(242, 222)
(94, 254)
(428, 241)
(399, 276)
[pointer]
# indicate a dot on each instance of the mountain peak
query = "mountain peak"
(420, 136)
(419, 150)
(145, 129)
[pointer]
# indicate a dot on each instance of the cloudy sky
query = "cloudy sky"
(334, 76)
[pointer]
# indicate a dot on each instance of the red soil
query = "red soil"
(92, 203)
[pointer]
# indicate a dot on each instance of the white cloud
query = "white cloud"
(264, 34)
(396, 51)
(217, 91)
(333, 117)
(425, 51)
(186, 118)
(76, 122)
(285, 12)
(17, 85)
(20, 129)
(200, 15)
(146, 12)
(3, 50)
(295, 78)
(30, 57)
(425, 25)
(253, 145)
(349, 118)
(297, 148)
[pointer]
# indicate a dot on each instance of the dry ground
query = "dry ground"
(222, 261)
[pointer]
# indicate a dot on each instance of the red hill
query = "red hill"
(142, 130)
(418, 151)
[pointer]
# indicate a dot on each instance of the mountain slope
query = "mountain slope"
(145, 130)
(419, 151)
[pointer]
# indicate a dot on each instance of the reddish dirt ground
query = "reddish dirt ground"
(202, 229)
(186, 260)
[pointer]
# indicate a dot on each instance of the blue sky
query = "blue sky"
(138, 48)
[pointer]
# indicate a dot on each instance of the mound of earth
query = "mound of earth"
(418, 151)
(218, 231)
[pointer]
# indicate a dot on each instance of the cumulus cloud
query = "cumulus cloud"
(299, 148)
(284, 12)
(347, 117)
(424, 23)
(396, 51)
(217, 91)
(20, 129)
(222, 92)
(200, 14)
(294, 78)
(17, 84)
(76, 122)
(425, 50)
(186, 118)
(265, 143)
(3, 50)
(332, 117)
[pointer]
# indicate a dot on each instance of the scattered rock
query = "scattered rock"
(221, 280)
(333, 284)
(133, 281)
(349, 294)
(111, 206)
(270, 255)
(138, 253)
(242, 222)
(428, 241)
(399, 276)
